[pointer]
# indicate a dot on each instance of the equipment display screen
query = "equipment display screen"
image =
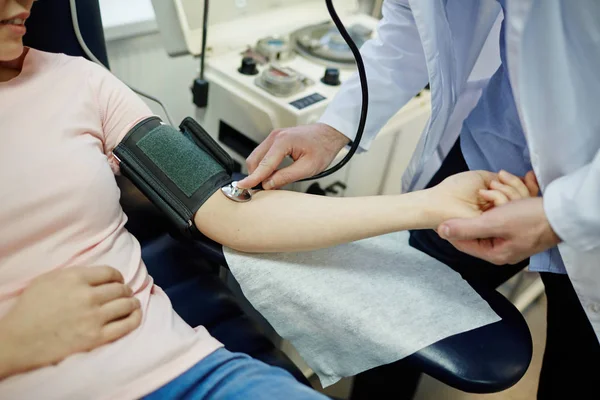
(308, 101)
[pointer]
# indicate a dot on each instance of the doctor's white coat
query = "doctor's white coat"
(453, 46)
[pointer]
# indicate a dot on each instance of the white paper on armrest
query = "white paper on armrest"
(357, 306)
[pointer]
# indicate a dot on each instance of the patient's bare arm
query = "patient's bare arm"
(288, 221)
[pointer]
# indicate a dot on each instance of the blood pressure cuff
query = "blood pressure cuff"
(177, 170)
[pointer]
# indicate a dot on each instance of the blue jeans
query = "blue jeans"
(224, 375)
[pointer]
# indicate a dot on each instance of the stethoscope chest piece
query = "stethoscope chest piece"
(233, 192)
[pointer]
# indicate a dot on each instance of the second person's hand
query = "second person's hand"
(312, 147)
(469, 194)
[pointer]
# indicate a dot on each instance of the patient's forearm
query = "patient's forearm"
(10, 359)
(288, 221)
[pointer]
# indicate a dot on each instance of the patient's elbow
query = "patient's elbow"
(231, 224)
(236, 240)
(226, 229)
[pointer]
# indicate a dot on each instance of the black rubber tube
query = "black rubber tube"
(365, 95)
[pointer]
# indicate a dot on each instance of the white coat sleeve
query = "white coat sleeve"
(396, 72)
(572, 205)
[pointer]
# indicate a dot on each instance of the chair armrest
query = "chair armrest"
(485, 360)
(205, 247)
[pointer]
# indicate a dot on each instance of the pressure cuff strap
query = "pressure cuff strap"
(177, 170)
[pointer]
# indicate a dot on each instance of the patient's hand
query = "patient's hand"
(469, 194)
(65, 312)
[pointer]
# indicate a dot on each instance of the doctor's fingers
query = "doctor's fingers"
(485, 226)
(300, 169)
(532, 184)
(495, 251)
(267, 166)
(263, 162)
(260, 151)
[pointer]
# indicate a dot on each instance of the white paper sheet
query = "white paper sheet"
(357, 306)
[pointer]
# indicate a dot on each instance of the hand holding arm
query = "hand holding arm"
(507, 234)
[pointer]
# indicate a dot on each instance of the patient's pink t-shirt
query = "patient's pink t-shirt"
(59, 121)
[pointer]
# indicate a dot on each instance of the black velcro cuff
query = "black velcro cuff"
(177, 170)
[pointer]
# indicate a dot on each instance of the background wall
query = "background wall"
(142, 62)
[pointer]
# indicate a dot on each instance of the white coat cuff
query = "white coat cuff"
(567, 215)
(346, 127)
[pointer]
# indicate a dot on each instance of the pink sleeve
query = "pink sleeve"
(120, 109)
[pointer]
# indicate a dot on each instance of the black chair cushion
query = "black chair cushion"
(485, 360)
(50, 28)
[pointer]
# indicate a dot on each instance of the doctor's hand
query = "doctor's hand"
(469, 194)
(312, 147)
(504, 235)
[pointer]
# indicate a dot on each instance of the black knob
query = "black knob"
(333, 188)
(248, 66)
(315, 188)
(332, 77)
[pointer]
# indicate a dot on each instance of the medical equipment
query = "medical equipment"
(236, 193)
(177, 170)
(327, 79)
(274, 64)
(200, 86)
(284, 82)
